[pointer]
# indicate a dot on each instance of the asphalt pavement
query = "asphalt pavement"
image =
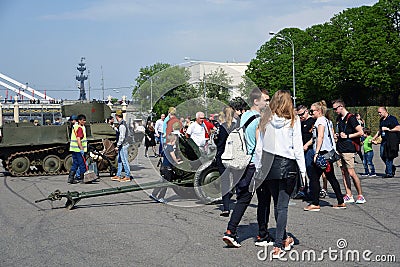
(132, 230)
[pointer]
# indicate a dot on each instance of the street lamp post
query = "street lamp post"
(290, 41)
(148, 77)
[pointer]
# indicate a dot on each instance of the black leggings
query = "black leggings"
(315, 174)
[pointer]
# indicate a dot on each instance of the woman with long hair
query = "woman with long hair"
(323, 143)
(282, 157)
(227, 124)
(150, 140)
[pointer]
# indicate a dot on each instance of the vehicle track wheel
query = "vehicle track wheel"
(68, 162)
(51, 164)
(20, 165)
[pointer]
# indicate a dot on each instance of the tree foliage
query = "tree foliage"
(167, 86)
(161, 86)
(355, 56)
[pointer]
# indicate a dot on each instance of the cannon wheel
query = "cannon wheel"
(184, 192)
(133, 151)
(207, 184)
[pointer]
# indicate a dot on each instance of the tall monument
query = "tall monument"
(81, 78)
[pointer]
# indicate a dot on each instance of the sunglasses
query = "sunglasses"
(312, 111)
(337, 108)
(302, 114)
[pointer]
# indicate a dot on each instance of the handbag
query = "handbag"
(331, 156)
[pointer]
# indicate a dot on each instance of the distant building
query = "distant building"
(234, 70)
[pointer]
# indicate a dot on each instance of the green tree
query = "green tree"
(355, 56)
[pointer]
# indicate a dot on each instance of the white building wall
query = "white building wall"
(234, 70)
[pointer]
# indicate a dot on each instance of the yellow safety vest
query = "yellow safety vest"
(73, 146)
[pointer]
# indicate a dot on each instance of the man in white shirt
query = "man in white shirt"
(196, 130)
(159, 132)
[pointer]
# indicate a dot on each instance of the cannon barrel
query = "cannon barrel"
(74, 196)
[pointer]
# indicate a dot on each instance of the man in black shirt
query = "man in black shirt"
(388, 127)
(349, 132)
(307, 125)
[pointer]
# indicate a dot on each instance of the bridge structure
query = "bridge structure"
(22, 90)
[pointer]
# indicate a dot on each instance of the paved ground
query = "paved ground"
(131, 230)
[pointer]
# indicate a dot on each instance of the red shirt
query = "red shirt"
(79, 132)
(209, 125)
(173, 120)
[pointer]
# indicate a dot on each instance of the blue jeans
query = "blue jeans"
(388, 162)
(243, 198)
(78, 163)
(123, 161)
(277, 188)
(368, 161)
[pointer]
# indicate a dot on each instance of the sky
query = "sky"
(43, 41)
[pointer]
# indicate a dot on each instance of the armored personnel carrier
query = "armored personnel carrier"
(28, 150)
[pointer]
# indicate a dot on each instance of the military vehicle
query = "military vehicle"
(28, 150)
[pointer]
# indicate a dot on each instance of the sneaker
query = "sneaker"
(277, 253)
(372, 175)
(360, 200)
(365, 175)
(288, 243)
(115, 178)
(225, 213)
(322, 193)
(312, 207)
(348, 199)
(162, 200)
(125, 179)
(231, 240)
(264, 241)
(339, 206)
(388, 176)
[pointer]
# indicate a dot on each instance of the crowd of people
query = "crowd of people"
(290, 148)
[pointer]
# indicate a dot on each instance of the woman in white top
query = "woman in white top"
(282, 158)
(323, 143)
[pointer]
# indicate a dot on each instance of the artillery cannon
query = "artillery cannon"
(196, 177)
(28, 150)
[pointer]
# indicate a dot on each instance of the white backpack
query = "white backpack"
(236, 155)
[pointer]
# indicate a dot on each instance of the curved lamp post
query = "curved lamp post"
(148, 77)
(289, 41)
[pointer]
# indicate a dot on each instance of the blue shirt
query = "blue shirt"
(167, 160)
(390, 122)
(250, 133)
